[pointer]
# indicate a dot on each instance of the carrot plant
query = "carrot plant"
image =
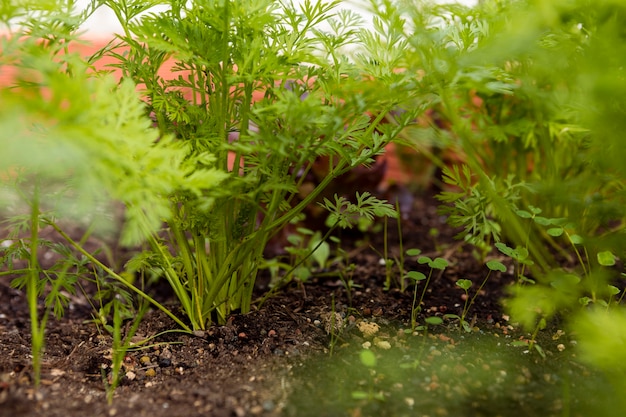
(261, 91)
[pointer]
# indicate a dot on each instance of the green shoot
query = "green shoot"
(437, 263)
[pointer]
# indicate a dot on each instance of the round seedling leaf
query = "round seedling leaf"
(543, 221)
(496, 266)
(522, 253)
(321, 254)
(438, 263)
(606, 258)
(424, 260)
(555, 231)
(305, 231)
(565, 282)
(413, 252)
(368, 358)
(613, 290)
(523, 214)
(464, 283)
(416, 276)
(434, 320)
(502, 247)
(576, 239)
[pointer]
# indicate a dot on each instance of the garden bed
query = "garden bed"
(216, 233)
(277, 361)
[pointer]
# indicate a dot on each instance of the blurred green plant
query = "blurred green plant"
(535, 94)
(72, 140)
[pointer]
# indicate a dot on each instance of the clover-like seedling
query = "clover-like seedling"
(465, 285)
(606, 258)
(368, 359)
(437, 263)
(521, 257)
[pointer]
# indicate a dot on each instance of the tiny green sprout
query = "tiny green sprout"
(437, 263)
(413, 252)
(416, 276)
(321, 251)
(496, 266)
(520, 256)
(368, 358)
(613, 291)
(433, 320)
(465, 284)
(606, 258)
(415, 309)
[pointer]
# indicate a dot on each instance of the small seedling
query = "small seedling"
(465, 285)
(368, 359)
(416, 276)
(532, 342)
(121, 345)
(521, 258)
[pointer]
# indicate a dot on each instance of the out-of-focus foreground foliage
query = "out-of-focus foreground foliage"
(533, 92)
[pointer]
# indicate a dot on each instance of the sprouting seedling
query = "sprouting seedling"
(368, 359)
(521, 258)
(466, 284)
(573, 238)
(437, 263)
(608, 259)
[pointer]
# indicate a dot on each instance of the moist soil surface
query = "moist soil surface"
(250, 365)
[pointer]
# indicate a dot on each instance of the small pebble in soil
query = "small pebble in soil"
(256, 410)
(165, 362)
(150, 373)
(368, 329)
(333, 322)
(268, 405)
(383, 344)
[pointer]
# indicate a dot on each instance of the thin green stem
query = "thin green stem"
(37, 329)
(426, 286)
(117, 277)
(401, 262)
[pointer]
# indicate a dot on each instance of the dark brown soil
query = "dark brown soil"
(245, 367)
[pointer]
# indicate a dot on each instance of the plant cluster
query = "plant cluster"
(532, 92)
(208, 164)
(211, 163)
